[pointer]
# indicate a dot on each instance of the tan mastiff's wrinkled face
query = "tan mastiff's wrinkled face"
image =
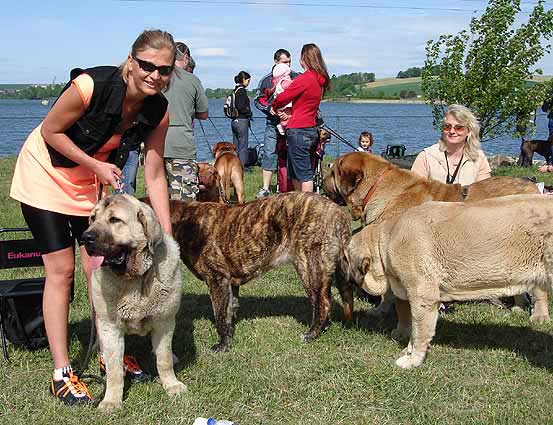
(125, 232)
(346, 176)
(208, 176)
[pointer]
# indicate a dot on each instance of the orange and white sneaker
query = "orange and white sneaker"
(70, 389)
(131, 367)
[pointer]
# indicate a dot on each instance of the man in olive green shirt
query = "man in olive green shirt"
(187, 101)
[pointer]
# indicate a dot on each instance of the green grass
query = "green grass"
(486, 366)
(395, 89)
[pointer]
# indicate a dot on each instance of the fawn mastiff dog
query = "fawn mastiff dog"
(229, 246)
(210, 183)
(230, 170)
(375, 190)
(445, 251)
(136, 288)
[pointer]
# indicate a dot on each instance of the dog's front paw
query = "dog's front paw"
(220, 347)
(176, 389)
(410, 360)
(539, 318)
(108, 406)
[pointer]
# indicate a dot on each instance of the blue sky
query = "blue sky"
(43, 40)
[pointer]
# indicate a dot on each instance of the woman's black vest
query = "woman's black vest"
(103, 115)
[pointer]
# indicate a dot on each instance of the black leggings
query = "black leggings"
(53, 231)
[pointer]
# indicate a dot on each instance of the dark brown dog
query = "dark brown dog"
(230, 169)
(210, 183)
(529, 147)
(228, 246)
(375, 190)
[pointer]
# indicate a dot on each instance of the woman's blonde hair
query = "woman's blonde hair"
(312, 58)
(465, 116)
(150, 39)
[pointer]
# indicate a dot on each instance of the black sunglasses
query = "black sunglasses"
(149, 67)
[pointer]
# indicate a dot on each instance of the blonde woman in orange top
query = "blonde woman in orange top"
(102, 114)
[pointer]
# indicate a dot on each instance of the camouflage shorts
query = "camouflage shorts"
(182, 178)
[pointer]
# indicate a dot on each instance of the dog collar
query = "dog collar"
(374, 186)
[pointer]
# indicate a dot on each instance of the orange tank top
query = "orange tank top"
(36, 182)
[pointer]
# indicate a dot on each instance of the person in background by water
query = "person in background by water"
(187, 101)
(263, 101)
(241, 124)
(365, 142)
(281, 80)
(305, 93)
(457, 157)
(101, 114)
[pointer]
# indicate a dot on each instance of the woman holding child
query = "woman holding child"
(305, 93)
(457, 157)
(101, 114)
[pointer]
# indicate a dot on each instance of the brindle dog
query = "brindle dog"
(229, 246)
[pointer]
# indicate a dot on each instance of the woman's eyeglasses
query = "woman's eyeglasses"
(456, 127)
(149, 67)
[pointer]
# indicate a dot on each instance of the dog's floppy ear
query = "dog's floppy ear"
(151, 226)
(351, 183)
(218, 146)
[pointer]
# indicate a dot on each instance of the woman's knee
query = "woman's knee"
(60, 266)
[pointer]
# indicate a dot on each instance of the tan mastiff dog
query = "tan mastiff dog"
(210, 183)
(230, 170)
(446, 251)
(136, 288)
(375, 190)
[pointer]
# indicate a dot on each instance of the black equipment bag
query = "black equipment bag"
(23, 322)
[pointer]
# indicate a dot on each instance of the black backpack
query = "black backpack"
(230, 105)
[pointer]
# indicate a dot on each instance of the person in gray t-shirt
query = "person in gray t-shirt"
(187, 100)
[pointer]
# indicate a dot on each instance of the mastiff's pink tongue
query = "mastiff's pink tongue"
(96, 262)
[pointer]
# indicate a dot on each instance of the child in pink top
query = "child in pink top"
(281, 80)
(365, 142)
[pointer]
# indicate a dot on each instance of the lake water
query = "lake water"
(390, 123)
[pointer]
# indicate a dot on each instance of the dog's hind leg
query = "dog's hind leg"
(346, 293)
(222, 300)
(316, 282)
(162, 343)
(403, 328)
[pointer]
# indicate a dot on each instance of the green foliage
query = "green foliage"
(348, 85)
(486, 67)
(33, 92)
(410, 72)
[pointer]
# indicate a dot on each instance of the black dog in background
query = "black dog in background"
(529, 147)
